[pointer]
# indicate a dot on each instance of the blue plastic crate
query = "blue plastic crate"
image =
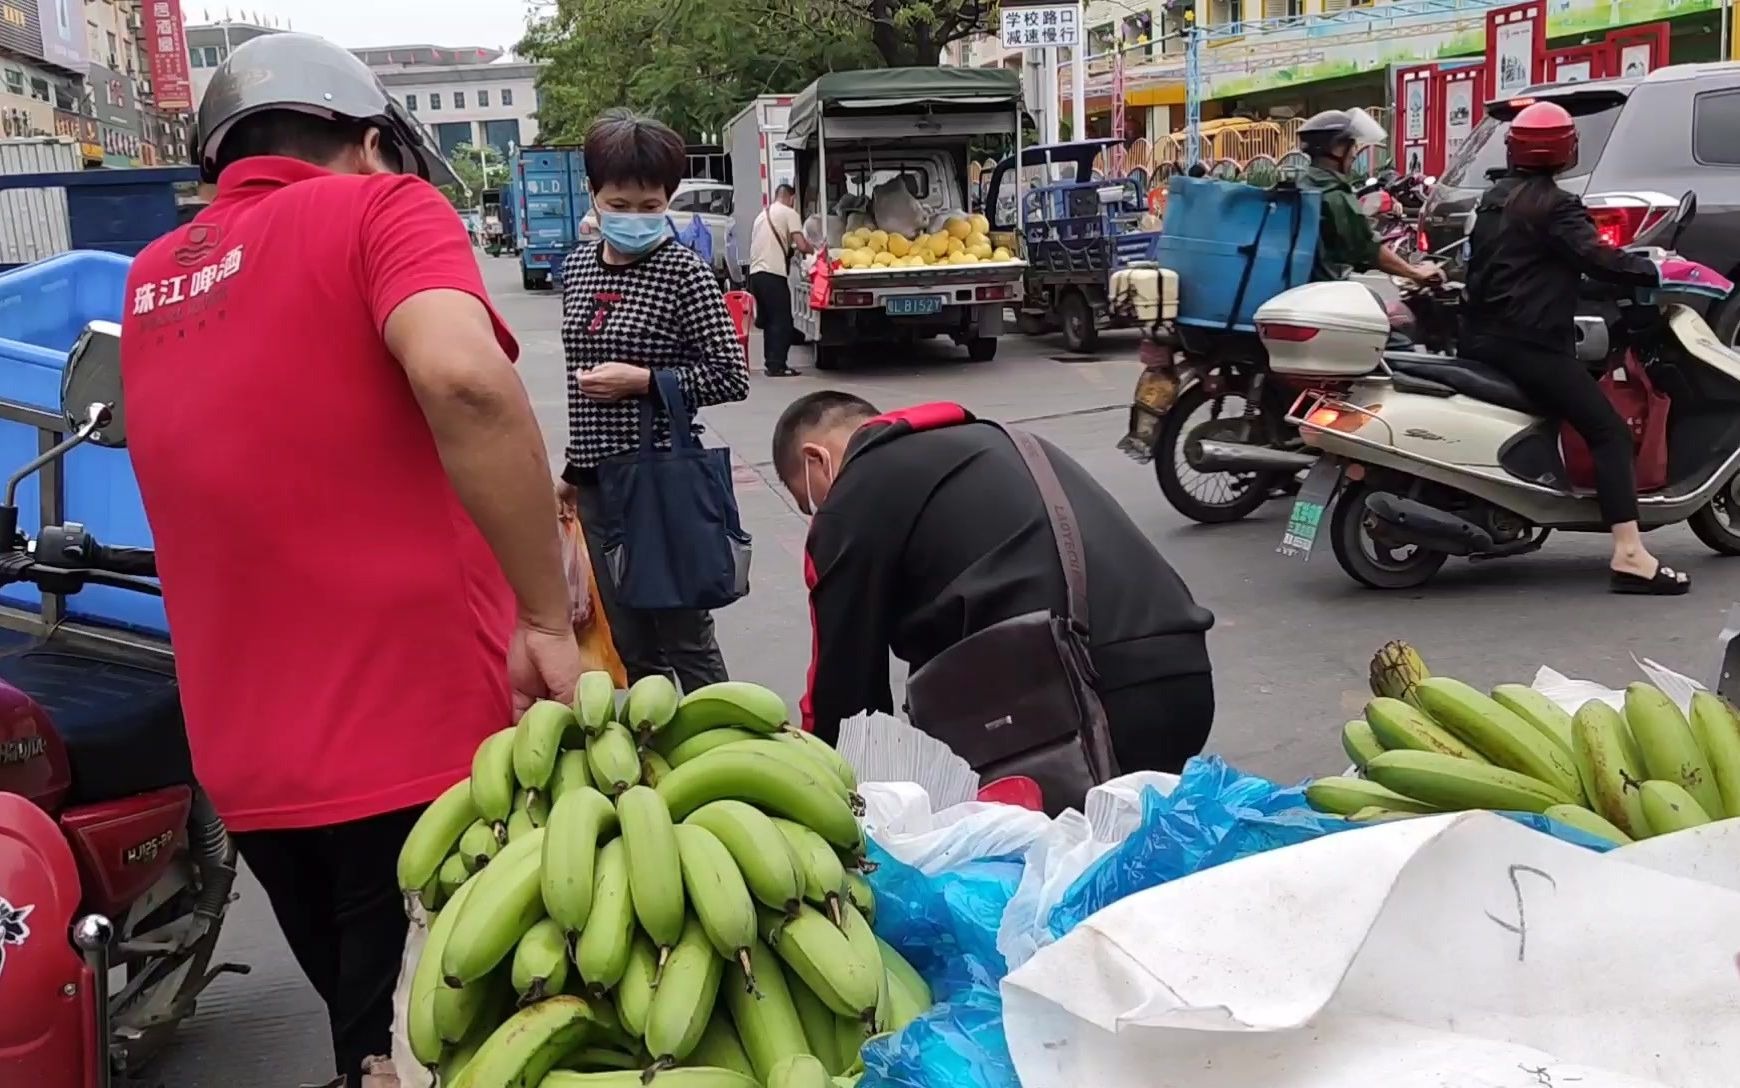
(43, 308)
(1235, 246)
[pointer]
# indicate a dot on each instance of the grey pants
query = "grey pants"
(680, 644)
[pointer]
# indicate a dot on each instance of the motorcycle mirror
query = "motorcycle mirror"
(1688, 210)
(90, 387)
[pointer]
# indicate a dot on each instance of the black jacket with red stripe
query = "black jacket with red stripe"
(933, 530)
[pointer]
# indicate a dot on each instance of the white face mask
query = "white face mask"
(809, 492)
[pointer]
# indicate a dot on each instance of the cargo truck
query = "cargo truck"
(550, 183)
(759, 163)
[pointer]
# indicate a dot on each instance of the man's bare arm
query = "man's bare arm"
(488, 439)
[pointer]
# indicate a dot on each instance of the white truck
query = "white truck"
(759, 163)
(855, 132)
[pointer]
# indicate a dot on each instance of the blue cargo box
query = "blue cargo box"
(43, 309)
(1235, 246)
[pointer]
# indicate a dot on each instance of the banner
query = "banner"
(166, 45)
(63, 33)
(20, 30)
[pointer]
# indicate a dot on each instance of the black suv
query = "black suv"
(1675, 129)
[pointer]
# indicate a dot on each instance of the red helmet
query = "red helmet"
(1542, 136)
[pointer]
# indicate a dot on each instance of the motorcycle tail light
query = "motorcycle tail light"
(1421, 242)
(1617, 225)
(1286, 334)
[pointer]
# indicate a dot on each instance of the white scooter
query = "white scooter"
(1424, 456)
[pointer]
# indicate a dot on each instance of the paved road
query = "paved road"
(1290, 644)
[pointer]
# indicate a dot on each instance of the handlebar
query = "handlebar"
(138, 562)
(66, 558)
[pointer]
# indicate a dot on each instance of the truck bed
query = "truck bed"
(987, 272)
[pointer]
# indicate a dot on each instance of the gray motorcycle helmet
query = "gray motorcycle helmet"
(1323, 130)
(311, 75)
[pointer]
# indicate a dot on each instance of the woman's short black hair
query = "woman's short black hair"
(625, 148)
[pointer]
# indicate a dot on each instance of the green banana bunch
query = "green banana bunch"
(540, 963)
(729, 703)
(458, 1055)
(424, 1037)
(614, 759)
(651, 704)
(481, 842)
(693, 1076)
(1548, 717)
(634, 992)
(771, 784)
(434, 835)
(759, 849)
(1717, 728)
(1497, 733)
(504, 903)
(595, 701)
(702, 743)
(1609, 766)
(1445, 782)
(1341, 796)
(824, 957)
(824, 875)
(579, 819)
(492, 776)
(1670, 751)
(1398, 725)
(819, 1023)
(766, 1020)
(683, 1000)
(1670, 807)
(1396, 670)
(451, 875)
(538, 740)
(803, 760)
(863, 941)
(1359, 742)
(719, 1046)
(800, 1071)
(528, 1045)
(571, 773)
(655, 868)
(601, 952)
(1588, 822)
(822, 750)
(717, 892)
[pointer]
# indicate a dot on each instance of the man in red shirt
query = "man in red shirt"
(350, 499)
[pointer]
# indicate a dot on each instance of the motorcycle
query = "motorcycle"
(111, 857)
(1393, 202)
(1424, 458)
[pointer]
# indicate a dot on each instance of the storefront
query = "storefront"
(86, 130)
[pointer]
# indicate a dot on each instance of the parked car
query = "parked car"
(1623, 146)
(712, 201)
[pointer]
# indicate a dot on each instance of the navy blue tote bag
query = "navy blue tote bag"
(673, 540)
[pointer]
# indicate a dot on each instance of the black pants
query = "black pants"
(773, 312)
(677, 643)
(1158, 725)
(336, 895)
(1562, 386)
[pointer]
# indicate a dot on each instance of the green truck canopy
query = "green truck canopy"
(890, 89)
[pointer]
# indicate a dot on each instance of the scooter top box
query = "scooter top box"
(43, 308)
(1235, 246)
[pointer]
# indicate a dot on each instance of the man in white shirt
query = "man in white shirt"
(777, 231)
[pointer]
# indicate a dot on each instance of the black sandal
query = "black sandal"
(1667, 582)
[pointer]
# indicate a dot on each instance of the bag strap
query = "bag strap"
(1636, 372)
(668, 391)
(1064, 531)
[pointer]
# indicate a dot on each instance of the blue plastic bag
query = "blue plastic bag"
(946, 926)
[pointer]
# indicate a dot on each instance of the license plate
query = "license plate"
(1156, 390)
(1309, 506)
(913, 305)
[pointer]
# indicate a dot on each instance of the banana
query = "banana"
(1340, 796)
(1399, 726)
(824, 875)
(822, 750)
(1588, 822)
(457, 1056)
(540, 964)
(655, 869)
(434, 834)
(717, 892)
(595, 701)
(537, 806)
(804, 760)
(504, 904)
(431, 896)
(597, 1059)
(847, 1082)
(800, 1071)
(1548, 717)
(1611, 769)
(1497, 733)
(702, 743)
(1670, 807)
(850, 1035)
(1396, 670)
(459, 1011)
(529, 1044)
(683, 1000)
(602, 949)
(904, 973)
(771, 784)
(756, 845)
(1446, 782)
(492, 776)
(1375, 815)
(519, 824)
(1359, 742)
(766, 1021)
(820, 1029)
(729, 703)
(825, 959)
(858, 893)
(480, 843)
(634, 991)
(420, 1028)
(650, 705)
(863, 941)
(693, 1076)
(1716, 726)
(451, 875)
(1670, 751)
(538, 740)
(571, 773)
(904, 1004)
(613, 759)
(653, 768)
(719, 1046)
(578, 820)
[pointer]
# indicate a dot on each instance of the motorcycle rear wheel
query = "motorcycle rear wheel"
(1247, 491)
(1369, 562)
(1717, 524)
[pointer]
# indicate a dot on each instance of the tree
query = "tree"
(477, 168)
(913, 33)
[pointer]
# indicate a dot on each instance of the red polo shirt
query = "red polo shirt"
(340, 626)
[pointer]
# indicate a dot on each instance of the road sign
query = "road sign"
(1040, 25)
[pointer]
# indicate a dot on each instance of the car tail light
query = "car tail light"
(1617, 224)
(1286, 334)
(992, 294)
(852, 298)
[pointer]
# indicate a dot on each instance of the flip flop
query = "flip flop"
(1667, 582)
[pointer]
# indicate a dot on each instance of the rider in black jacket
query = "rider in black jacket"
(1532, 244)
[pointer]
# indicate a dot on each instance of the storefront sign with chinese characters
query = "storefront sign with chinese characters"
(166, 45)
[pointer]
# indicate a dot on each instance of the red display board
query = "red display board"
(1637, 50)
(1414, 119)
(1516, 48)
(1579, 63)
(166, 46)
(1461, 102)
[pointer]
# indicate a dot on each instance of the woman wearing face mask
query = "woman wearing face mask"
(633, 302)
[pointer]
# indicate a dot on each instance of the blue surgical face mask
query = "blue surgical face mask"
(632, 233)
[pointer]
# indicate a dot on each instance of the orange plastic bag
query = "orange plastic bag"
(591, 626)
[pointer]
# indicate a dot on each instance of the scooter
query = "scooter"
(1424, 458)
(112, 860)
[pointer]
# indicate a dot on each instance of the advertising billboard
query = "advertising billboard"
(20, 27)
(63, 32)
(166, 46)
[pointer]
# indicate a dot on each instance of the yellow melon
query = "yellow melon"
(899, 245)
(981, 225)
(1001, 253)
(958, 227)
(883, 259)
